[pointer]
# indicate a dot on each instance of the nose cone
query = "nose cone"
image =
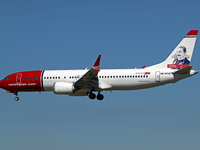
(1, 83)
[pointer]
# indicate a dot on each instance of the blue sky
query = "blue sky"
(70, 35)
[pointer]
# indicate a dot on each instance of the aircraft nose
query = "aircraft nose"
(1, 83)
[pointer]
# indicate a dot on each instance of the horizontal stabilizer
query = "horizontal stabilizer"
(183, 70)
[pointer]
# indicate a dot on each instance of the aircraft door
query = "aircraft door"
(18, 78)
(77, 77)
(157, 76)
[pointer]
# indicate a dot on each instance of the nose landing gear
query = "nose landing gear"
(16, 98)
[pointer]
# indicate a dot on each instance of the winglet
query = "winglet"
(96, 64)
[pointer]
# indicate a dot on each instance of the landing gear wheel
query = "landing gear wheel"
(16, 94)
(92, 96)
(16, 98)
(100, 97)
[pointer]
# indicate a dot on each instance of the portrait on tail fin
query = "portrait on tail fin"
(181, 58)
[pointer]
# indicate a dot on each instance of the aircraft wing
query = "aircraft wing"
(89, 80)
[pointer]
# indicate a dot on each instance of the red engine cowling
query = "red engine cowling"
(63, 88)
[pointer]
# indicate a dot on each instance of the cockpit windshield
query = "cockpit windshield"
(7, 78)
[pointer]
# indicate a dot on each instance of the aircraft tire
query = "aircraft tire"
(16, 98)
(100, 97)
(92, 96)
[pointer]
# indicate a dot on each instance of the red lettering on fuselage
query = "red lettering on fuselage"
(23, 81)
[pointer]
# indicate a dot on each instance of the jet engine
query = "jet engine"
(63, 88)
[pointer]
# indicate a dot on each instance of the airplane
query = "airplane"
(85, 82)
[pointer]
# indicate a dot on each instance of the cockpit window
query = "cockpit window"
(6, 78)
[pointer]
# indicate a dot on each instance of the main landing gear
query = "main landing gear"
(93, 96)
(16, 98)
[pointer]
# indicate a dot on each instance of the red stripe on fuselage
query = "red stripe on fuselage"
(23, 81)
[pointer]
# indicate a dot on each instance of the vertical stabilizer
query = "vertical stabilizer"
(181, 56)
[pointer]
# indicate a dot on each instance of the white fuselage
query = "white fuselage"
(116, 79)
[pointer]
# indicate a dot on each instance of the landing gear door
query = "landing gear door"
(157, 76)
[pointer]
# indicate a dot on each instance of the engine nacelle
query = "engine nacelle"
(63, 88)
